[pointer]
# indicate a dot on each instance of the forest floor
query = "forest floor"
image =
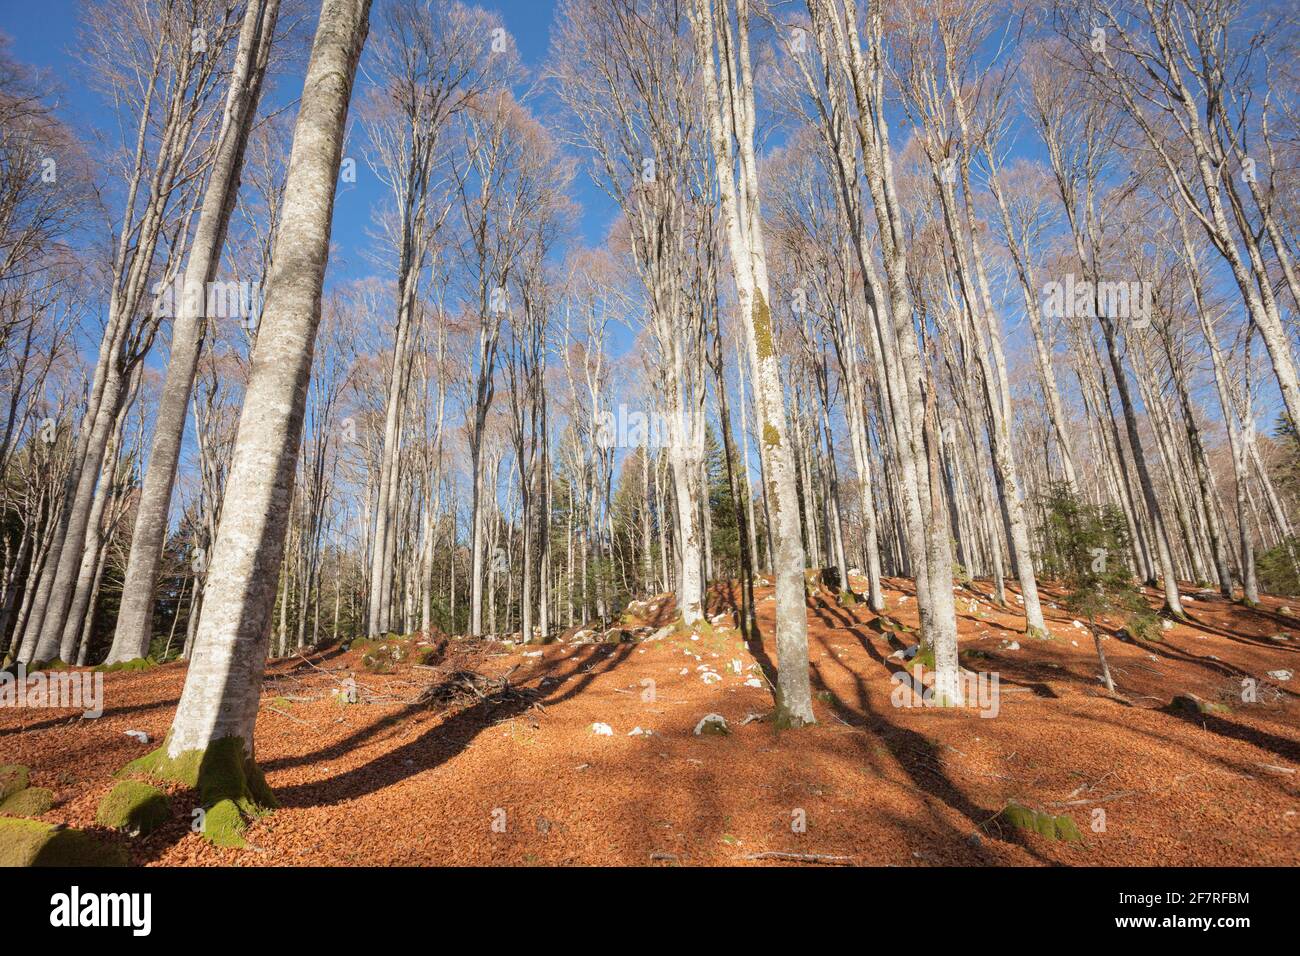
(426, 769)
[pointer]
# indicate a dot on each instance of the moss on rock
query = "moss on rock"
(1191, 704)
(225, 822)
(924, 656)
(13, 777)
(29, 802)
(231, 786)
(1044, 824)
(136, 664)
(33, 843)
(134, 806)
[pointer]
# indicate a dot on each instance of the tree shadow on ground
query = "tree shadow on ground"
(440, 743)
(919, 758)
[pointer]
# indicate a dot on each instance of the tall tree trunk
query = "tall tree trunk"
(211, 744)
(733, 121)
(135, 618)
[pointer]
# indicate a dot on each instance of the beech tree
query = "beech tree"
(211, 744)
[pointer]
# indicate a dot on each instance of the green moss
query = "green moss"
(13, 777)
(924, 656)
(701, 628)
(378, 661)
(134, 806)
(761, 316)
(33, 843)
(1191, 704)
(136, 664)
(1067, 829)
(224, 824)
(1044, 824)
(31, 802)
(50, 665)
(784, 719)
(884, 623)
(222, 774)
(770, 437)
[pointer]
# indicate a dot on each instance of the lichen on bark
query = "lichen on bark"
(761, 316)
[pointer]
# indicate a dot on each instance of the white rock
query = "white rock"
(710, 674)
(715, 719)
(753, 682)
(737, 666)
(1013, 646)
(1078, 624)
(139, 735)
(602, 730)
(635, 732)
(532, 653)
(1167, 625)
(1283, 675)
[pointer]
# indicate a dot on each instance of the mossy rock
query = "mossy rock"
(924, 657)
(225, 822)
(884, 623)
(712, 725)
(136, 664)
(231, 786)
(381, 660)
(847, 598)
(33, 843)
(1044, 824)
(1191, 704)
(31, 802)
(51, 665)
(701, 628)
(135, 807)
(13, 777)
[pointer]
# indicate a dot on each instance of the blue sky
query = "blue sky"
(45, 34)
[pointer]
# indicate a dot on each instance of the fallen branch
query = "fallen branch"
(802, 858)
